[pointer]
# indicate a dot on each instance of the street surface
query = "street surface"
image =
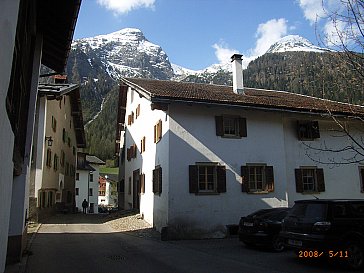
(84, 243)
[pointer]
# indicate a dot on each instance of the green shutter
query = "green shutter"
(242, 127)
(193, 178)
(269, 179)
(219, 125)
(320, 180)
(221, 178)
(299, 182)
(244, 179)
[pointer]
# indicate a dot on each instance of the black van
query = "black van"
(333, 228)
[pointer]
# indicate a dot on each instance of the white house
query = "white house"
(29, 36)
(108, 191)
(197, 157)
(87, 181)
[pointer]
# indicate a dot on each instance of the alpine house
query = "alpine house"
(194, 158)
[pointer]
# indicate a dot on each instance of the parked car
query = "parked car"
(328, 228)
(262, 228)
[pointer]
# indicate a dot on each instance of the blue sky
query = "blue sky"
(198, 33)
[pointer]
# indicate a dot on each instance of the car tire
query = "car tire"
(355, 260)
(278, 244)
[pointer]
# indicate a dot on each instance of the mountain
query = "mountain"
(294, 43)
(291, 64)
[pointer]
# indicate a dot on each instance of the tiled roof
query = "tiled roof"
(94, 160)
(258, 98)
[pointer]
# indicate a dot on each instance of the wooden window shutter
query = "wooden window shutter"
(320, 180)
(315, 129)
(155, 133)
(155, 181)
(219, 125)
(269, 179)
(299, 182)
(159, 130)
(362, 179)
(193, 178)
(142, 183)
(159, 180)
(244, 179)
(129, 120)
(221, 178)
(135, 148)
(242, 127)
(128, 154)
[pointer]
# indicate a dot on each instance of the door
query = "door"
(136, 190)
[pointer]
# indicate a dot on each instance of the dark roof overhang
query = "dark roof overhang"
(56, 21)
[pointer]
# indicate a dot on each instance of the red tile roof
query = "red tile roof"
(258, 98)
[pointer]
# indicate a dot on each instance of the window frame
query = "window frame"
(240, 126)
(267, 174)
(318, 176)
(308, 130)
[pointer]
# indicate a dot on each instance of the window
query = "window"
(54, 124)
(64, 135)
(131, 152)
(257, 178)
(308, 130)
(77, 176)
(137, 111)
(309, 179)
(361, 175)
(62, 158)
(158, 131)
(142, 145)
(90, 192)
(49, 158)
(157, 180)
(55, 162)
(205, 178)
(91, 177)
(230, 126)
(77, 191)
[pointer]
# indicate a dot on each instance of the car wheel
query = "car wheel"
(278, 244)
(356, 255)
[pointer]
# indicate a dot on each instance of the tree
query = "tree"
(344, 34)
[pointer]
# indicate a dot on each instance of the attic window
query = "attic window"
(230, 126)
(308, 130)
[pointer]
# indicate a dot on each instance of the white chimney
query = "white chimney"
(238, 86)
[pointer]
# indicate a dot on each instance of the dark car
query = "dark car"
(329, 228)
(262, 228)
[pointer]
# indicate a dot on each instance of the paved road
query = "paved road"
(89, 245)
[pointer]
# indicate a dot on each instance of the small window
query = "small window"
(157, 180)
(55, 162)
(137, 111)
(90, 192)
(309, 180)
(230, 126)
(77, 176)
(158, 131)
(308, 130)
(207, 178)
(49, 158)
(142, 145)
(62, 158)
(54, 124)
(77, 191)
(257, 178)
(64, 135)
(91, 177)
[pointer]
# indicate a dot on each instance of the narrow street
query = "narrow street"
(88, 243)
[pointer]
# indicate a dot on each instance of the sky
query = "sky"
(198, 33)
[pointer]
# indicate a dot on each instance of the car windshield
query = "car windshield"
(309, 211)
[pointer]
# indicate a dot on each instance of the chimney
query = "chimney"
(238, 86)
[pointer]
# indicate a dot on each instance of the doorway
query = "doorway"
(136, 190)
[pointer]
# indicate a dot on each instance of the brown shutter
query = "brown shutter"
(159, 180)
(221, 178)
(155, 181)
(193, 178)
(142, 183)
(159, 130)
(155, 133)
(242, 127)
(135, 148)
(299, 182)
(320, 180)
(269, 178)
(244, 179)
(219, 125)
(315, 129)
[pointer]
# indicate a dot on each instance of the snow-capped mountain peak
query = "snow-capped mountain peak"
(294, 43)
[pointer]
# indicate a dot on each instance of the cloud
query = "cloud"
(223, 52)
(312, 9)
(124, 6)
(268, 33)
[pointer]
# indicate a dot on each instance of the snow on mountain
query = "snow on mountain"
(294, 43)
(127, 53)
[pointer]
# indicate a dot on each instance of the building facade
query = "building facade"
(197, 157)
